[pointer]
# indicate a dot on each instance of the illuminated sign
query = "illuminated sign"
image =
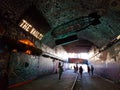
(77, 60)
(29, 28)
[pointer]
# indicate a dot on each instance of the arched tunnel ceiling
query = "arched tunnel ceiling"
(67, 16)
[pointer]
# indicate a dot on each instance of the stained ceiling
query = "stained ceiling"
(92, 22)
(72, 17)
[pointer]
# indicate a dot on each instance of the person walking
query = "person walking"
(60, 70)
(80, 71)
(76, 69)
(92, 69)
(88, 69)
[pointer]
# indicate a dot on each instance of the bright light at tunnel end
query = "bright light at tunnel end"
(79, 55)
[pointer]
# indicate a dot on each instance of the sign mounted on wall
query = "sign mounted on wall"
(29, 28)
(78, 60)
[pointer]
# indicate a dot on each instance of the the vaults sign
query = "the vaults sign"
(29, 28)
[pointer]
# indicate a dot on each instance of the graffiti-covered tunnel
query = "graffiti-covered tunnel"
(41, 41)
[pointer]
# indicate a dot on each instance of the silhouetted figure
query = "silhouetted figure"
(88, 68)
(60, 70)
(92, 69)
(76, 69)
(80, 71)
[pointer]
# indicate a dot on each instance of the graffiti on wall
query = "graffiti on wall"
(23, 67)
(108, 63)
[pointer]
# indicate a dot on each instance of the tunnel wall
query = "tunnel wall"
(18, 68)
(27, 67)
(107, 63)
(4, 59)
(24, 68)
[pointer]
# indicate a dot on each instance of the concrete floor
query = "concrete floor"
(87, 82)
(51, 82)
(95, 83)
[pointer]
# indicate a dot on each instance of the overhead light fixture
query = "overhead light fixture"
(28, 51)
(66, 40)
(118, 37)
(27, 42)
